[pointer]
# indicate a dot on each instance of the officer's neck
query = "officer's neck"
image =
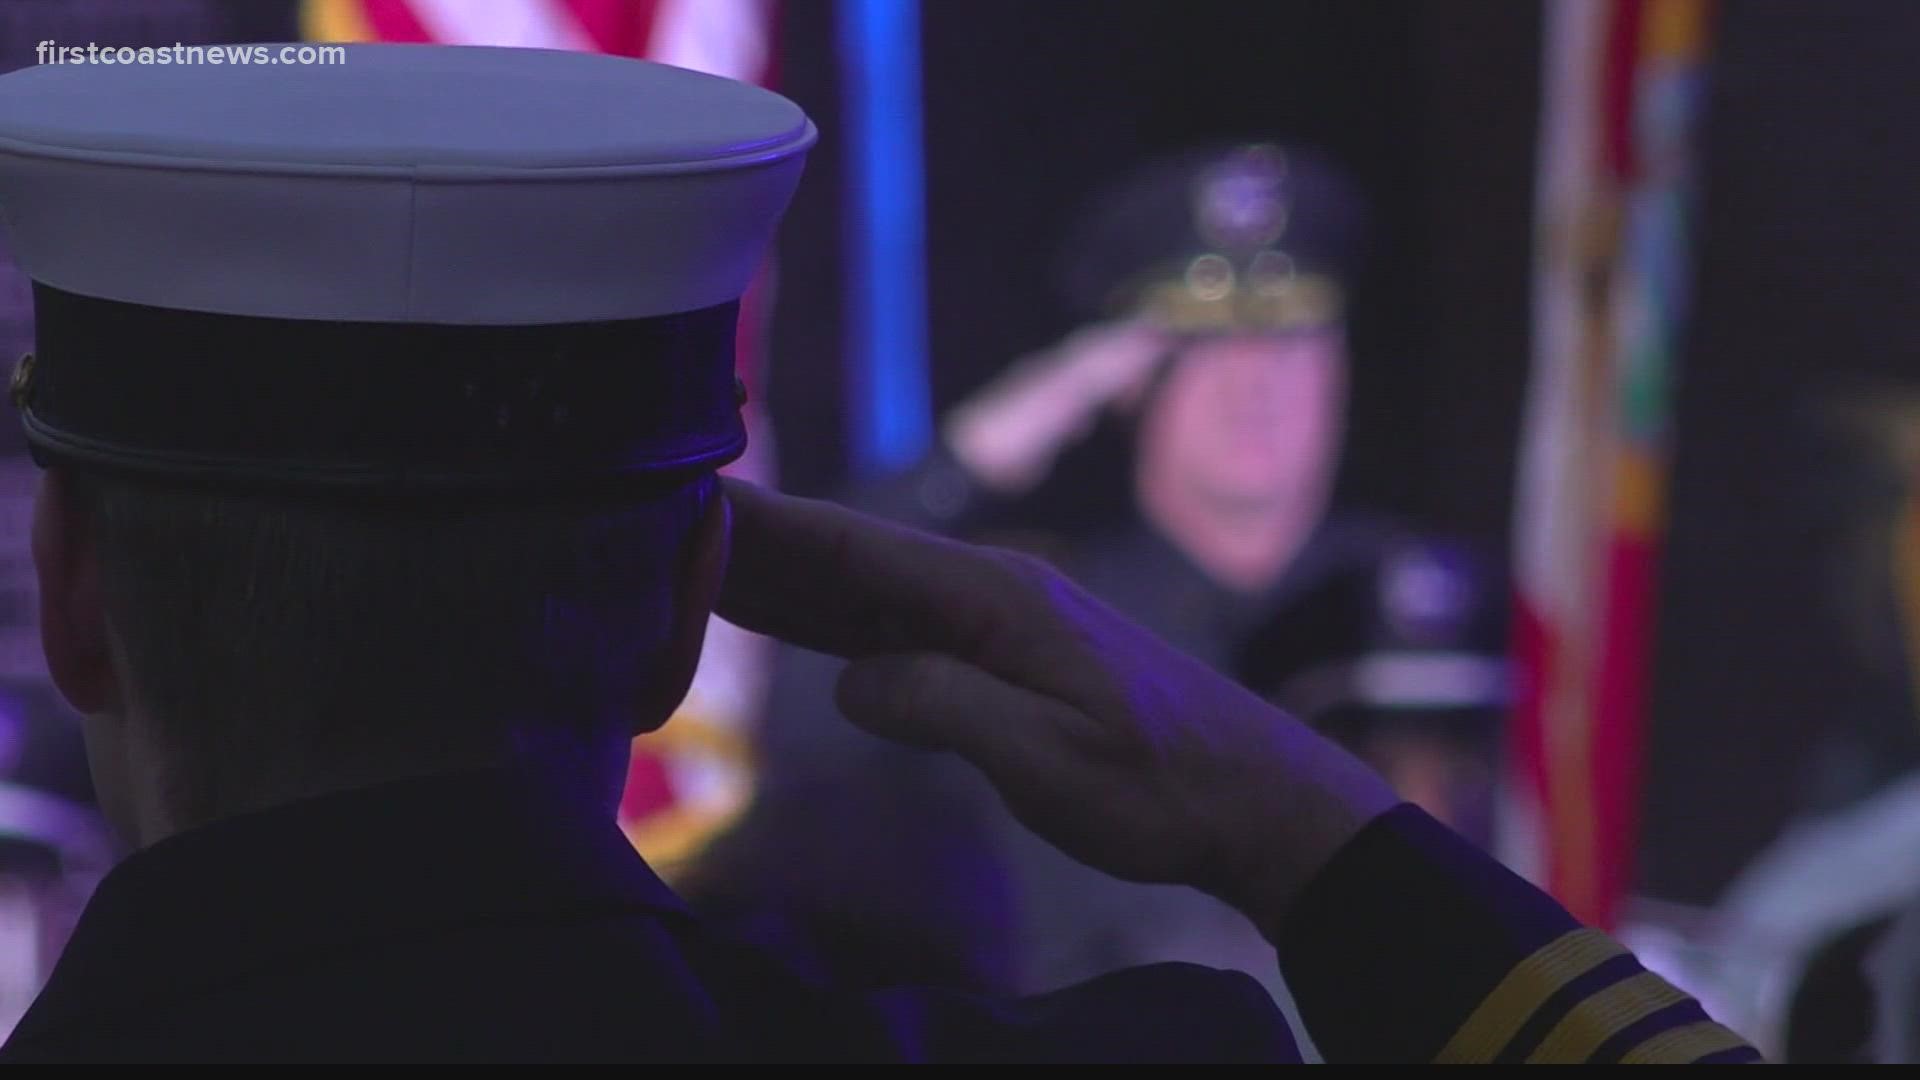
(1244, 546)
(150, 793)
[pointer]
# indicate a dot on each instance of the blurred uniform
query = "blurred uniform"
(1403, 661)
(1214, 287)
(54, 845)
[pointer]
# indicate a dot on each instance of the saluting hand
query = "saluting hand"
(1008, 434)
(1126, 754)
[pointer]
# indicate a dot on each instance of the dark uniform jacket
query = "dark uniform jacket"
(495, 917)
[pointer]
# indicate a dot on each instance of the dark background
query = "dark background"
(1776, 687)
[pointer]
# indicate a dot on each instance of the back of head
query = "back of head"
(268, 637)
(388, 426)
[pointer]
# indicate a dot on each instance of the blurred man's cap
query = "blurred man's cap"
(1250, 236)
(1420, 633)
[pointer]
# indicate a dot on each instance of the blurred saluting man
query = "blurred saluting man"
(1215, 287)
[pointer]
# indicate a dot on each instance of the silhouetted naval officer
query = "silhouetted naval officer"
(380, 406)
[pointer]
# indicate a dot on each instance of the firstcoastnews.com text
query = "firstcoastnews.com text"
(52, 52)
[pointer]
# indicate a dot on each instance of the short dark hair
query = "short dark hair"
(259, 627)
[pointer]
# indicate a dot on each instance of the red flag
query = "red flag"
(1619, 111)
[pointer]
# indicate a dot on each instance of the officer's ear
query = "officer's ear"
(73, 617)
(703, 566)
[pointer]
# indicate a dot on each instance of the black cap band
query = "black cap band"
(377, 407)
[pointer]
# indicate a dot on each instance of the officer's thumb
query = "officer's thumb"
(934, 701)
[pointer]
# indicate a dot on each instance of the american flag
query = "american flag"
(721, 37)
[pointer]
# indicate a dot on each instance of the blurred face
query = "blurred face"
(1252, 420)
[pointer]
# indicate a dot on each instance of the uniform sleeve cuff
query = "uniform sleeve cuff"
(1415, 945)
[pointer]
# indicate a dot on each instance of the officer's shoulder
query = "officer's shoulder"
(782, 1008)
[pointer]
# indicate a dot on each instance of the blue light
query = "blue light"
(889, 403)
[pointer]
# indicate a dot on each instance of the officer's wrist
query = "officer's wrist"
(1309, 826)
